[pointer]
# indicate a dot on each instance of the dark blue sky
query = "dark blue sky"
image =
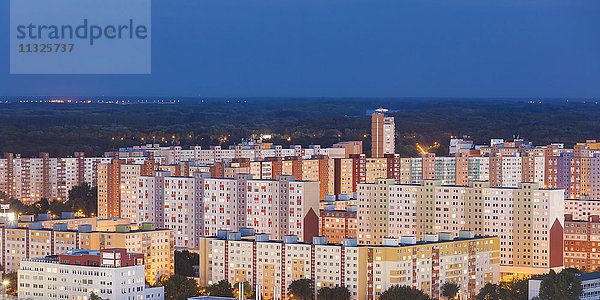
(345, 48)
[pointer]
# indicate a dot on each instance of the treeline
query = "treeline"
(62, 129)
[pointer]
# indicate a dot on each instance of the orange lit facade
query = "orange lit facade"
(337, 225)
(382, 135)
(117, 188)
(582, 243)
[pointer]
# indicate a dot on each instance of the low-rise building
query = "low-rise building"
(109, 274)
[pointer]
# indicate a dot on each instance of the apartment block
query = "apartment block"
(253, 150)
(31, 179)
(339, 169)
(350, 147)
(341, 202)
(110, 274)
(582, 242)
(270, 266)
(117, 188)
(71, 222)
(581, 209)
(201, 206)
(337, 225)
(528, 219)
(34, 242)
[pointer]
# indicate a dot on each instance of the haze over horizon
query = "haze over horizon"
(351, 48)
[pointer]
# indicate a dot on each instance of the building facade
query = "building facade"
(367, 271)
(383, 130)
(34, 242)
(109, 274)
(201, 206)
(529, 220)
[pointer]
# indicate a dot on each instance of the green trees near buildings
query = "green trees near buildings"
(403, 292)
(515, 289)
(301, 289)
(564, 286)
(179, 287)
(184, 263)
(449, 289)
(248, 292)
(336, 293)
(221, 289)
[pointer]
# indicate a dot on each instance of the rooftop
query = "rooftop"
(582, 276)
(588, 276)
(405, 241)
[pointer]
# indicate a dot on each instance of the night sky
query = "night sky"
(351, 48)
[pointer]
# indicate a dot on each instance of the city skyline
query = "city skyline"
(300, 150)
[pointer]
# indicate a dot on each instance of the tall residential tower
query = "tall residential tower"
(382, 134)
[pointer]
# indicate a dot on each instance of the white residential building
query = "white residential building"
(109, 274)
(198, 205)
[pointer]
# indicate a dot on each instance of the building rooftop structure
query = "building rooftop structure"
(109, 258)
(247, 234)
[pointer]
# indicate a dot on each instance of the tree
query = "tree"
(515, 289)
(489, 291)
(184, 263)
(342, 292)
(403, 292)
(42, 206)
(564, 285)
(179, 287)
(325, 293)
(248, 292)
(301, 289)
(221, 289)
(3, 197)
(450, 289)
(95, 297)
(337, 293)
(83, 197)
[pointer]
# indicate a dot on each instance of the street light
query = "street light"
(4, 285)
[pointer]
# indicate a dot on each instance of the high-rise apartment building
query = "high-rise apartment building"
(383, 132)
(34, 241)
(31, 179)
(117, 188)
(201, 206)
(270, 266)
(337, 225)
(581, 209)
(582, 242)
(528, 219)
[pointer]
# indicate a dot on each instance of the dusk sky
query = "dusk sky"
(351, 48)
